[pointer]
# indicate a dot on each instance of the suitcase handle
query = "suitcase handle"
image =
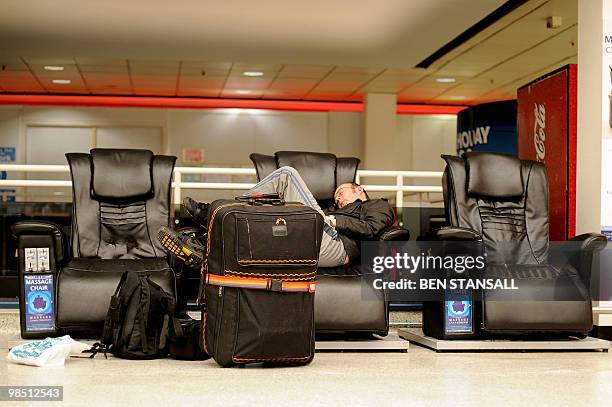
(262, 199)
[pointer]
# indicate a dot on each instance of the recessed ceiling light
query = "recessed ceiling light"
(62, 81)
(243, 92)
(446, 80)
(253, 73)
(53, 68)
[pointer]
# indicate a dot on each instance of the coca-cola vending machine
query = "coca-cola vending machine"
(547, 133)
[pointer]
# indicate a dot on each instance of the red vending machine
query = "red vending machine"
(547, 115)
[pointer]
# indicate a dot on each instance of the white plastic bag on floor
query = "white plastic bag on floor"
(48, 352)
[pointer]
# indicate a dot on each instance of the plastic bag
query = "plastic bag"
(48, 352)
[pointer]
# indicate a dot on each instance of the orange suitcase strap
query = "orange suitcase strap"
(269, 284)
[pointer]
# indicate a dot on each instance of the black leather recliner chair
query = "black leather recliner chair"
(503, 202)
(339, 306)
(120, 199)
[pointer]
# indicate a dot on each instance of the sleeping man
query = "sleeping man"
(354, 218)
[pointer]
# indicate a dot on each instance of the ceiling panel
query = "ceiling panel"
(111, 90)
(420, 92)
(269, 71)
(19, 81)
(510, 88)
(290, 88)
(304, 71)
(12, 64)
(199, 91)
(205, 69)
(327, 96)
(487, 55)
(154, 67)
(105, 77)
(76, 86)
(48, 61)
(537, 58)
(392, 81)
(283, 94)
(242, 94)
(104, 69)
(186, 82)
(70, 71)
(342, 82)
(242, 82)
(491, 65)
(155, 91)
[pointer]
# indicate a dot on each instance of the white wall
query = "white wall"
(422, 139)
(345, 132)
(228, 136)
(380, 133)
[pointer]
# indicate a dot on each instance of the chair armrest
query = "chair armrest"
(452, 233)
(578, 252)
(37, 227)
(586, 243)
(590, 241)
(394, 233)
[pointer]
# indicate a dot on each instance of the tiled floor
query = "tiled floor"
(420, 377)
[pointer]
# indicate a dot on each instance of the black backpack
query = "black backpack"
(139, 319)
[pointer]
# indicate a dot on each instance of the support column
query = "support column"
(379, 143)
(590, 116)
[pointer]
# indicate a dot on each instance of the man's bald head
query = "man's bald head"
(348, 193)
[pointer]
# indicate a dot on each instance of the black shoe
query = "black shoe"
(192, 236)
(197, 210)
(185, 249)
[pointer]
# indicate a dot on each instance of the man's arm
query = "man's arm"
(378, 216)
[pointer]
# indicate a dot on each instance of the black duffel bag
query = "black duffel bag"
(186, 340)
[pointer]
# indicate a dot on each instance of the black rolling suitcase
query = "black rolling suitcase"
(258, 284)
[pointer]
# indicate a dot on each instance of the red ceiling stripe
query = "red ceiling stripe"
(206, 103)
(429, 109)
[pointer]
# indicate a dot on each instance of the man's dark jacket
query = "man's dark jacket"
(362, 220)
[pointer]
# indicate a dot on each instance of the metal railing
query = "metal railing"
(400, 187)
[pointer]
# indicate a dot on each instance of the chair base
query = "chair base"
(416, 336)
(374, 343)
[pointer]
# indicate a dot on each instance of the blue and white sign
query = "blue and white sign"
(38, 293)
(458, 318)
(7, 154)
(488, 127)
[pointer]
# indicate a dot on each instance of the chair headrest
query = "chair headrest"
(121, 174)
(494, 175)
(317, 169)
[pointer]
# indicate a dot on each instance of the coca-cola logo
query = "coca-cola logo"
(539, 131)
